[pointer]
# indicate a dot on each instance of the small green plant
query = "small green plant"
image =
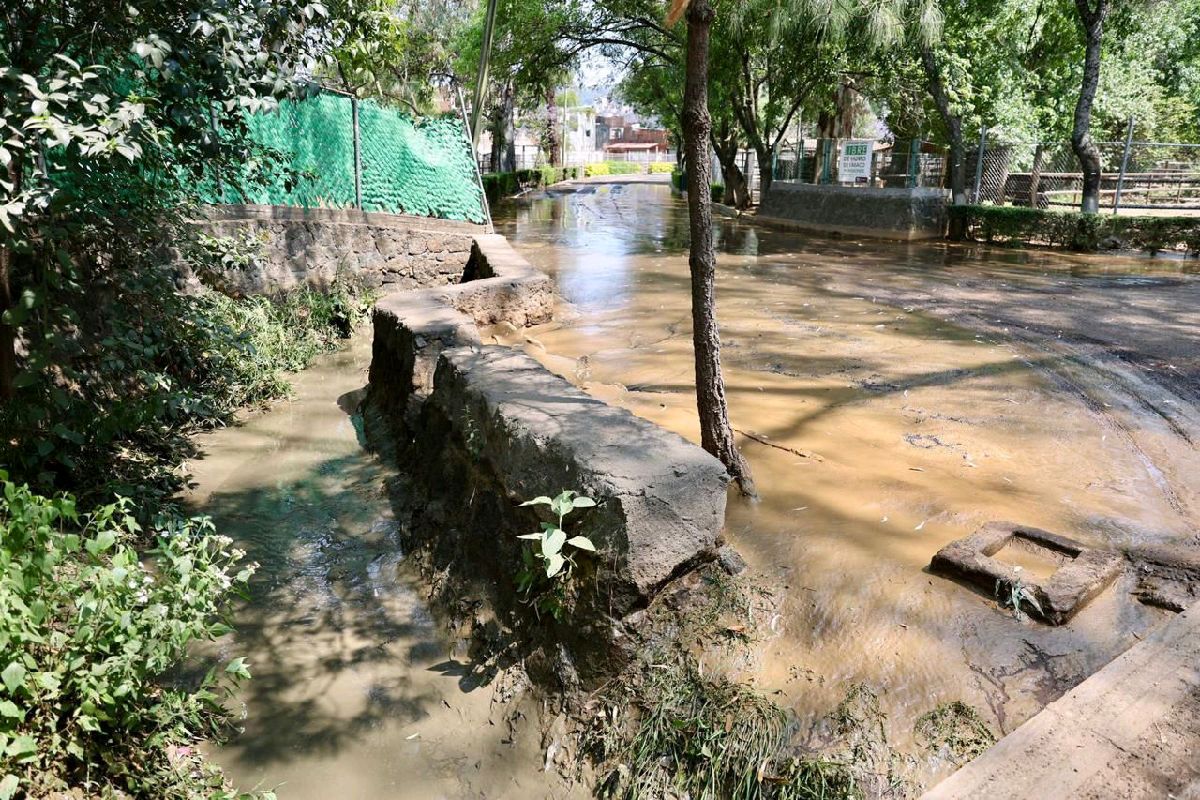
(553, 537)
(87, 632)
(1015, 592)
(547, 568)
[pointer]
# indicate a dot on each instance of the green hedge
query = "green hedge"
(507, 184)
(679, 184)
(1085, 232)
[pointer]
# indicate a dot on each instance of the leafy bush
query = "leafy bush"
(497, 185)
(624, 168)
(678, 180)
(1088, 232)
(600, 168)
(679, 184)
(662, 167)
(87, 631)
(105, 405)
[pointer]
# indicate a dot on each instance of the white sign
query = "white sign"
(854, 166)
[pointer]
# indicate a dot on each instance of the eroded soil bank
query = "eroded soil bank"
(357, 691)
(892, 398)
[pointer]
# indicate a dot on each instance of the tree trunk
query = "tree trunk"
(766, 169)
(1081, 137)
(509, 158)
(725, 144)
(552, 140)
(496, 127)
(8, 333)
(1035, 176)
(953, 123)
(716, 435)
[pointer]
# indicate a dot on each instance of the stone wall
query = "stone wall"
(883, 213)
(314, 246)
(480, 428)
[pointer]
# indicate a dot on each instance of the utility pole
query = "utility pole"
(481, 78)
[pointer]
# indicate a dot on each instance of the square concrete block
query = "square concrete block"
(1077, 573)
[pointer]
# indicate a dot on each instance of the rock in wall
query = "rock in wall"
(317, 245)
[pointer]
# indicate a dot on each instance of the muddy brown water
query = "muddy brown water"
(891, 398)
(357, 692)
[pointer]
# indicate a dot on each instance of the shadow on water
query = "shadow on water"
(357, 691)
(899, 395)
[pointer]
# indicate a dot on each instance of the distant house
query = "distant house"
(615, 136)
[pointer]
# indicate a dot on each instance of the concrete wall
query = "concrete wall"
(883, 213)
(479, 429)
(316, 245)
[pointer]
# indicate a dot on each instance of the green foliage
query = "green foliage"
(498, 185)
(543, 584)
(666, 728)
(111, 411)
(700, 737)
(679, 184)
(1018, 225)
(1015, 592)
(662, 167)
(88, 630)
(955, 729)
(597, 169)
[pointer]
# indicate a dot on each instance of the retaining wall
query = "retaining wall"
(481, 428)
(316, 245)
(858, 211)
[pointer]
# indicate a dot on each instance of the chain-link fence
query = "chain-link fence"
(1135, 177)
(347, 153)
(903, 164)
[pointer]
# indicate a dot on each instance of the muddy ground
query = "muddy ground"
(891, 398)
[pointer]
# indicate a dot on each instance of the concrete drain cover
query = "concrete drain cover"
(1062, 573)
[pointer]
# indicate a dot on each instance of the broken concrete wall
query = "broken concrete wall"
(481, 428)
(315, 246)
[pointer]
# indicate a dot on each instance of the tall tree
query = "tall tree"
(716, 434)
(1092, 14)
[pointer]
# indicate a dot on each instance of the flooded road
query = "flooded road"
(356, 693)
(891, 398)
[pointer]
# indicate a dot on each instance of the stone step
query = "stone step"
(1132, 730)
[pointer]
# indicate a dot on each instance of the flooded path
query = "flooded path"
(892, 398)
(355, 691)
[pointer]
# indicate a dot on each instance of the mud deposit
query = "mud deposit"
(356, 691)
(892, 398)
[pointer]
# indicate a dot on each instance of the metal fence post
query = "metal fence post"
(914, 162)
(826, 157)
(979, 161)
(358, 203)
(800, 159)
(1124, 168)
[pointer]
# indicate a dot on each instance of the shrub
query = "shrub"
(110, 411)
(661, 167)
(624, 168)
(1011, 224)
(678, 180)
(601, 168)
(718, 192)
(87, 631)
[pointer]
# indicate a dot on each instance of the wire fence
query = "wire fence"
(1135, 177)
(903, 164)
(341, 152)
